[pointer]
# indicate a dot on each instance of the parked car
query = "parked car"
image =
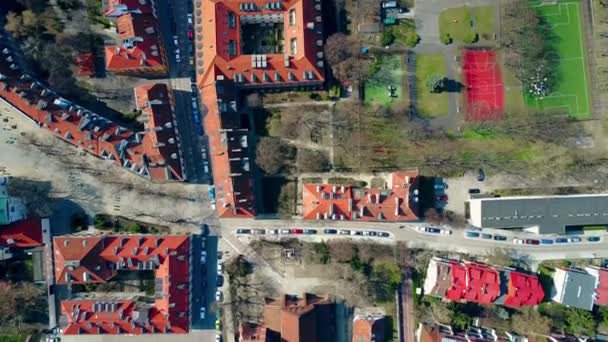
(203, 312)
(329, 231)
(285, 231)
(177, 58)
(518, 241)
(442, 198)
(532, 242)
(434, 230)
(546, 241)
(384, 234)
(440, 186)
(219, 282)
(203, 242)
(474, 191)
(297, 231)
(258, 231)
(218, 324)
(219, 296)
(203, 257)
(471, 234)
(190, 19)
(372, 233)
(243, 231)
(218, 338)
(561, 240)
(220, 267)
(389, 4)
(310, 231)
(500, 238)
(486, 236)
(190, 34)
(175, 41)
(356, 233)
(575, 239)
(344, 232)
(594, 239)
(272, 231)
(481, 175)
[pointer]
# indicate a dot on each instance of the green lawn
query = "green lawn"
(461, 23)
(430, 104)
(388, 71)
(404, 32)
(514, 95)
(571, 94)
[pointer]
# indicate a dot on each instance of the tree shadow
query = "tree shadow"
(453, 86)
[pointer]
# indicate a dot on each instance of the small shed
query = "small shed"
(369, 28)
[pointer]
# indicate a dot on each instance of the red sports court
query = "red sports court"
(484, 92)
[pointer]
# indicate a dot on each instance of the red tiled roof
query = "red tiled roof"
(136, 152)
(96, 259)
(601, 291)
(22, 234)
(523, 290)
(141, 49)
(86, 64)
(339, 202)
(480, 283)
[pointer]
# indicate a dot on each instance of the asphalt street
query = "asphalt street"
(456, 242)
(192, 145)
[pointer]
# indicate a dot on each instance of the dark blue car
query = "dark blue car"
(330, 231)
(546, 242)
(561, 240)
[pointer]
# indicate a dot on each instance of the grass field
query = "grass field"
(571, 94)
(463, 22)
(430, 104)
(389, 71)
(514, 96)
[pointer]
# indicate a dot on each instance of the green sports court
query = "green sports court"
(571, 94)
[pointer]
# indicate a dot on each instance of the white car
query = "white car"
(203, 257)
(177, 58)
(272, 231)
(366, 233)
(285, 231)
(518, 241)
(344, 232)
(218, 338)
(203, 312)
(175, 41)
(258, 231)
(189, 18)
(220, 267)
(219, 296)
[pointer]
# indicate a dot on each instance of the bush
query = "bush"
(412, 39)
(471, 38)
(446, 38)
(387, 38)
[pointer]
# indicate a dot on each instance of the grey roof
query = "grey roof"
(579, 290)
(550, 213)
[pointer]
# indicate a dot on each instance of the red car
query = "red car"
(532, 242)
(190, 35)
(442, 198)
(297, 231)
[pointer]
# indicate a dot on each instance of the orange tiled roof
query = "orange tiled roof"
(222, 72)
(22, 234)
(96, 259)
(137, 152)
(141, 48)
(339, 202)
(368, 329)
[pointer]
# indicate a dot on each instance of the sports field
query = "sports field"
(571, 94)
(484, 93)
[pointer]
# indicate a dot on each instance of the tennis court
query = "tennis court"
(484, 93)
(571, 94)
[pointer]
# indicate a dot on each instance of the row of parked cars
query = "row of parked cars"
(219, 295)
(519, 241)
(303, 231)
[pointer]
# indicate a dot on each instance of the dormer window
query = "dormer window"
(292, 17)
